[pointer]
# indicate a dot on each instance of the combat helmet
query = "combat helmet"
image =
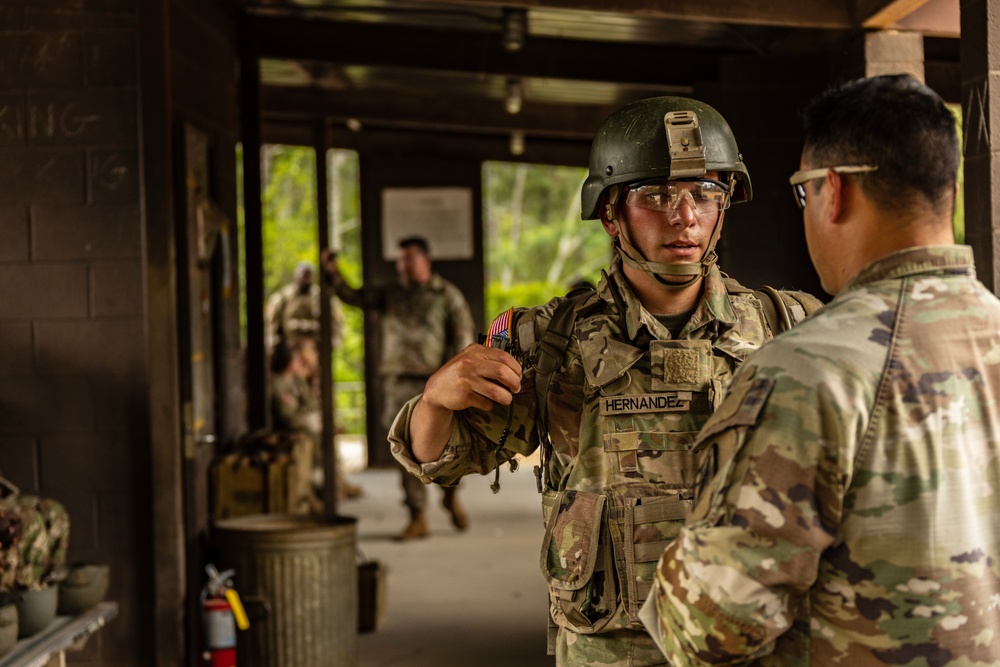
(660, 137)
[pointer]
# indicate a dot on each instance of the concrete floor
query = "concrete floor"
(456, 599)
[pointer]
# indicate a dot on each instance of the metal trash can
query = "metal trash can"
(304, 570)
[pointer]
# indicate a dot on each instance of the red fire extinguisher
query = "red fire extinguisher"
(222, 612)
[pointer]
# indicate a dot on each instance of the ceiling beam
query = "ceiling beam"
(403, 142)
(879, 14)
(831, 14)
(443, 49)
(461, 114)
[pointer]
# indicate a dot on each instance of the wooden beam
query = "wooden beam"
(407, 142)
(452, 50)
(462, 114)
(879, 14)
(832, 14)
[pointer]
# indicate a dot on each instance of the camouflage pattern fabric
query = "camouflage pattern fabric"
(849, 512)
(10, 557)
(623, 410)
(396, 391)
(289, 314)
(295, 411)
(295, 405)
(422, 326)
(41, 548)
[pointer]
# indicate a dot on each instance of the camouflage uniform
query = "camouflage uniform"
(622, 412)
(421, 328)
(41, 547)
(295, 405)
(852, 516)
(289, 313)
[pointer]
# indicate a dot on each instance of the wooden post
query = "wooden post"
(980, 96)
(326, 444)
(256, 353)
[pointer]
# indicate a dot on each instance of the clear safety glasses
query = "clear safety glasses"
(705, 196)
(803, 176)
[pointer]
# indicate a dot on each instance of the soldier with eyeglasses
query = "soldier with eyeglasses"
(611, 385)
(850, 504)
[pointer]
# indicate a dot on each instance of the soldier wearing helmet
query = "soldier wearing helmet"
(612, 385)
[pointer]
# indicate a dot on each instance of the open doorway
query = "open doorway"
(290, 231)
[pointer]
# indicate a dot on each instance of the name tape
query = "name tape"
(670, 401)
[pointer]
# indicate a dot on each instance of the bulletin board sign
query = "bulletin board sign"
(441, 215)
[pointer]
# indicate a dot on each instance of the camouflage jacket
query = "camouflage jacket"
(295, 405)
(37, 549)
(622, 412)
(289, 313)
(421, 326)
(849, 511)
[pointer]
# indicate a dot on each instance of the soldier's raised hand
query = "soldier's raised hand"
(476, 377)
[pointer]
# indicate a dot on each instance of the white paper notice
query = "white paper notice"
(441, 215)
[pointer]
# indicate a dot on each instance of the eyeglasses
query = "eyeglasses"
(706, 196)
(801, 177)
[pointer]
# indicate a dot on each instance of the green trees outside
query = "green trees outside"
(291, 235)
(536, 243)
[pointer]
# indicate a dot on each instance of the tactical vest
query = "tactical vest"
(616, 507)
(300, 316)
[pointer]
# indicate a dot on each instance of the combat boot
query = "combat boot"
(416, 528)
(450, 503)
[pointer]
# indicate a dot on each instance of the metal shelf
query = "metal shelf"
(63, 633)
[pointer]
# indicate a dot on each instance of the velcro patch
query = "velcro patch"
(681, 364)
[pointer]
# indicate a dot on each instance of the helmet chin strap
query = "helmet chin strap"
(629, 252)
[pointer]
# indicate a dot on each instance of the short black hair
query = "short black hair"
(418, 242)
(895, 123)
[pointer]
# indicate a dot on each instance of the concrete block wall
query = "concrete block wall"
(73, 383)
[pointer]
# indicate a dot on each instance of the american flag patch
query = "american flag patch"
(499, 333)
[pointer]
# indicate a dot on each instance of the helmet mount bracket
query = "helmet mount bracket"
(685, 143)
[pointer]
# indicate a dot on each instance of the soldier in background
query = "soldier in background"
(295, 404)
(616, 382)
(425, 320)
(292, 314)
(852, 516)
(293, 310)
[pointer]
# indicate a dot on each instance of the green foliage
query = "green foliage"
(290, 226)
(536, 243)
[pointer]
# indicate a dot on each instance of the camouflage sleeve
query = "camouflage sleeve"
(470, 449)
(360, 297)
(473, 445)
(770, 498)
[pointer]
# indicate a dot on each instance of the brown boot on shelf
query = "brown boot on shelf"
(417, 527)
(450, 503)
